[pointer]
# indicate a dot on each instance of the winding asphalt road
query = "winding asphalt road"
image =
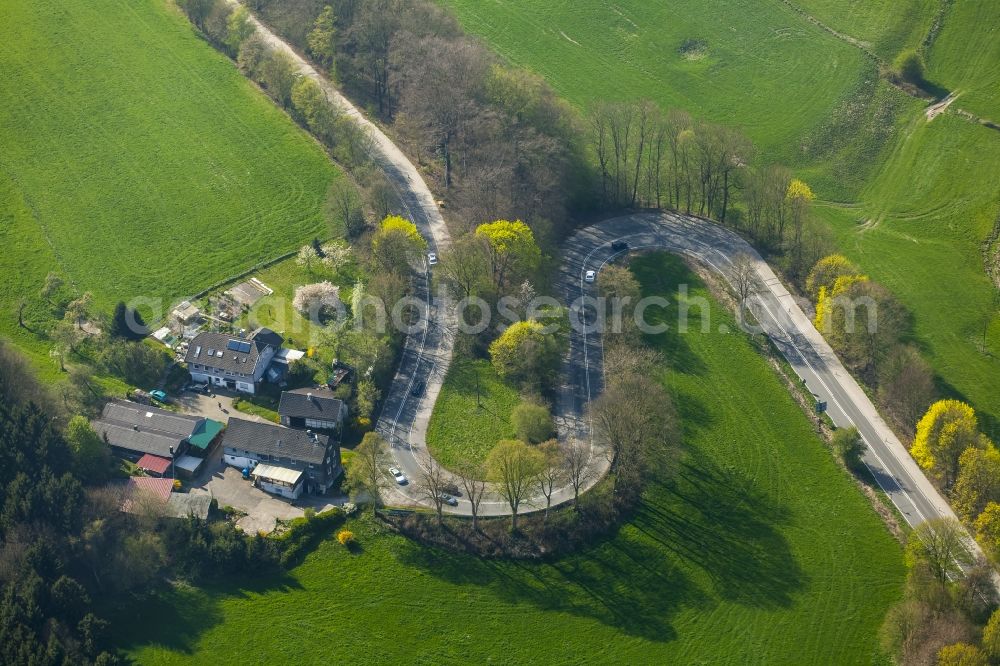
(793, 333)
(428, 349)
(778, 315)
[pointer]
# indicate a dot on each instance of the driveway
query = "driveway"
(227, 485)
(218, 407)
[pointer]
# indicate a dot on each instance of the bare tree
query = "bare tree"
(576, 459)
(343, 209)
(370, 39)
(622, 360)
(473, 479)
(442, 82)
(551, 472)
(939, 543)
(676, 124)
(906, 386)
(433, 479)
(635, 417)
(744, 277)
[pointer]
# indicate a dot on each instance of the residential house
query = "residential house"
(231, 362)
(314, 408)
(281, 460)
(145, 432)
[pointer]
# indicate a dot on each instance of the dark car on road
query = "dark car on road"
(619, 245)
(418, 389)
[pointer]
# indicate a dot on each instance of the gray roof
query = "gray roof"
(215, 350)
(144, 428)
(268, 337)
(310, 403)
(274, 440)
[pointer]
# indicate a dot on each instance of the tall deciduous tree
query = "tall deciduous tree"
(513, 252)
(442, 81)
(906, 386)
(512, 465)
(91, 455)
(961, 654)
(473, 478)
(396, 244)
(577, 463)
(991, 635)
(947, 429)
(621, 291)
(532, 422)
(366, 469)
(978, 481)
(431, 485)
(938, 543)
(343, 210)
(277, 74)
(551, 471)
(635, 418)
(743, 282)
(526, 354)
(239, 28)
(465, 266)
(320, 41)
(800, 197)
(320, 115)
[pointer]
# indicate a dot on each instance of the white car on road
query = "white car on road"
(432, 258)
(590, 276)
(399, 476)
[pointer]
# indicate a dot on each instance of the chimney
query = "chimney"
(309, 396)
(135, 427)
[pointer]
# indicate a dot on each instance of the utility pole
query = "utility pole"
(479, 404)
(172, 463)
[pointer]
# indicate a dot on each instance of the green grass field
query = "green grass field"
(914, 200)
(136, 160)
(885, 27)
(460, 429)
(761, 552)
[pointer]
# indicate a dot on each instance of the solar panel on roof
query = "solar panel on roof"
(245, 347)
(233, 345)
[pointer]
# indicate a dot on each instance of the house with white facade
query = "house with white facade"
(228, 361)
(282, 461)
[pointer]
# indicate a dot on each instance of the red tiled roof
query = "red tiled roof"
(160, 488)
(154, 463)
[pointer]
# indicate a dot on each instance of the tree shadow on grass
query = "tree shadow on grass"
(625, 583)
(716, 520)
(175, 615)
(707, 523)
